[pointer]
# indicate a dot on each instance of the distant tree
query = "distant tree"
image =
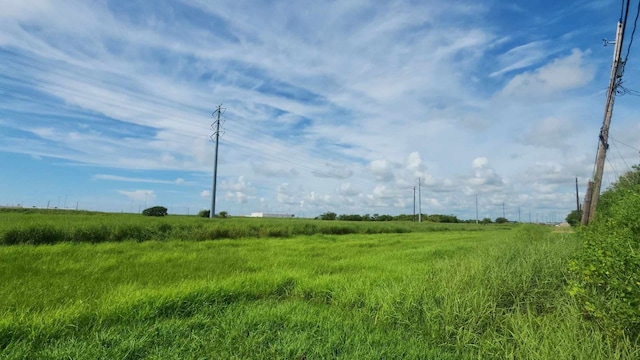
(442, 218)
(223, 214)
(501, 220)
(328, 216)
(403, 217)
(353, 217)
(486, 221)
(155, 211)
(204, 213)
(574, 218)
(384, 218)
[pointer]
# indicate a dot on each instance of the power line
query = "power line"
(633, 32)
(621, 157)
(627, 145)
(622, 90)
(613, 168)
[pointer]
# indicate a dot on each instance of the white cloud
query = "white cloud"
(329, 105)
(285, 194)
(550, 132)
(238, 197)
(178, 181)
(484, 177)
(559, 75)
(415, 165)
(522, 56)
(239, 185)
(348, 190)
(148, 196)
(382, 170)
(479, 163)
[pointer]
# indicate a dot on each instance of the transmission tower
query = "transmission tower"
(215, 126)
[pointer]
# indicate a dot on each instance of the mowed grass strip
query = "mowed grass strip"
(455, 295)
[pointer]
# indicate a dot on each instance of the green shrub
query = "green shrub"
(131, 232)
(33, 235)
(155, 211)
(91, 234)
(204, 213)
(607, 268)
(574, 218)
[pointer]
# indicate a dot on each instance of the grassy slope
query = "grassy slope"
(489, 294)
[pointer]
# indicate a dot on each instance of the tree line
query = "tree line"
(439, 218)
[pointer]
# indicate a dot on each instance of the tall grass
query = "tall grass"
(441, 295)
(41, 227)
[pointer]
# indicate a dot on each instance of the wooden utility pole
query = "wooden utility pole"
(577, 197)
(476, 208)
(603, 138)
(419, 200)
(586, 207)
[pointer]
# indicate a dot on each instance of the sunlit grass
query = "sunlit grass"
(450, 295)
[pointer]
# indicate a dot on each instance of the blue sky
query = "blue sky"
(330, 106)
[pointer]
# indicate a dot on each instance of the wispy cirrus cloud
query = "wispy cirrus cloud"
(178, 181)
(339, 105)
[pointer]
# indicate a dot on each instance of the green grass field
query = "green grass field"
(37, 227)
(499, 293)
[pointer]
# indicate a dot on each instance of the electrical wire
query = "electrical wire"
(633, 32)
(622, 90)
(621, 143)
(621, 157)
(613, 168)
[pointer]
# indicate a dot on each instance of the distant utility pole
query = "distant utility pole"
(577, 197)
(616, 74)
(215, 126)
(419, 201)
(476, 208)
(503, 214)
(414, 204)
(519, 214)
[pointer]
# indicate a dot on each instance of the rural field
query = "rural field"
(107, 286)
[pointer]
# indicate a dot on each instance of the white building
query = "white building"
(265, 215)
